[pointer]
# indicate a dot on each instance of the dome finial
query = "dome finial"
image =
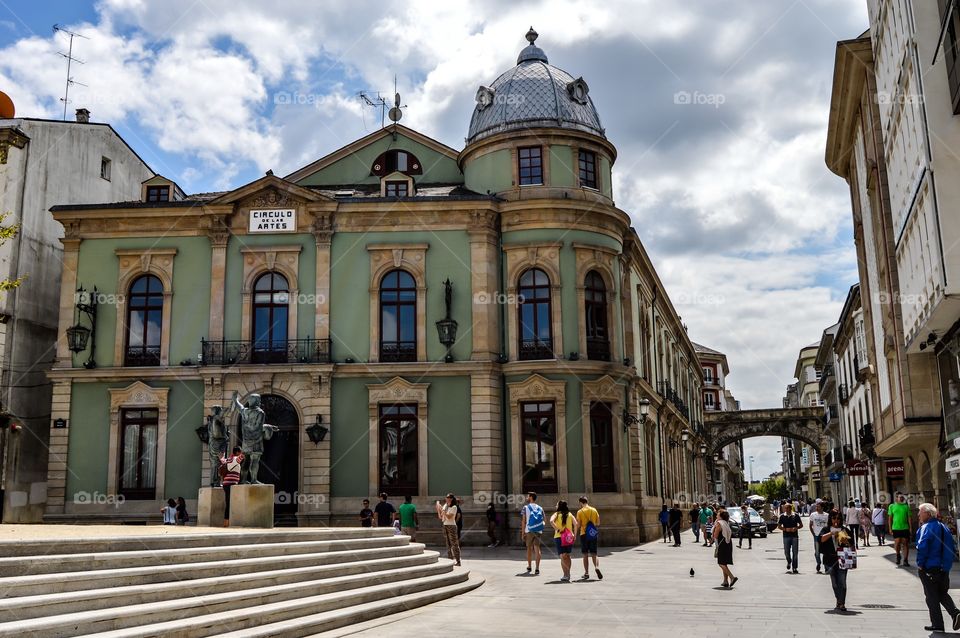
(532, 35)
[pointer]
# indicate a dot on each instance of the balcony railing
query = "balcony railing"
(238, 352)
(843, 393)
(867, 438)
(598, 349)
(142, 356)
(531, 349)
(397, 351)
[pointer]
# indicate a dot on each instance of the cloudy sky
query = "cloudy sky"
(718, 110)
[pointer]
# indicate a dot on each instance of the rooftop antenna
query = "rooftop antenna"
(380, 102)
(377, 102)
(395, 112)
(70, 60)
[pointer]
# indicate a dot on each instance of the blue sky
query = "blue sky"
(748, 229)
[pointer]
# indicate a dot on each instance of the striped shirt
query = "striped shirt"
(232, 477)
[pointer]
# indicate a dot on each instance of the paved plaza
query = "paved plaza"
(647, 591)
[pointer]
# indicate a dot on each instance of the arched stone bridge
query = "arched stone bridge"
(805, 424)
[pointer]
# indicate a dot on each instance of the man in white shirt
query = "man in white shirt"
(818, 520)
(851, 518)
(879, 520)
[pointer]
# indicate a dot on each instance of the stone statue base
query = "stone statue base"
(251, 506)
(210, 507)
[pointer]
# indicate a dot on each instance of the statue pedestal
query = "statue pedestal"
(210, 507)
(251, 506)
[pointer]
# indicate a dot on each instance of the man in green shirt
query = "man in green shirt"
(409, 522)
(898, 514)
(706, 517)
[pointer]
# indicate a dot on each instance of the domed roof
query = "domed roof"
(533, 94)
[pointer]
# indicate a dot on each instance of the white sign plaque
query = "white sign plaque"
(273, 220)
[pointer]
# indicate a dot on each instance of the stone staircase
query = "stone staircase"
(225, 582)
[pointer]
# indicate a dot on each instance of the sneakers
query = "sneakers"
(564, 579)
(818, 569)
(795, 572)
(491, 545)
(585, 577)
(906, 563)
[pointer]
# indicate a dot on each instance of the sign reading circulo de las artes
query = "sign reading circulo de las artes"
(273, 220)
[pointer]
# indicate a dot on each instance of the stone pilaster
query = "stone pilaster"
(486, 433)
(68, 287)
(58, 447)
(219, 237)
(484, 286)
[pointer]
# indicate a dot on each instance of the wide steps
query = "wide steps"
(264, 583)
(227, 622)
(25, 607)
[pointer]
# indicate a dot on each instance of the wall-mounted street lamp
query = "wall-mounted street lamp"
(318, 431)
(78, 334)
(703, 450)
(447, 327)
(629, 419)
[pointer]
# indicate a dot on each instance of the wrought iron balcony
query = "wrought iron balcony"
(397, 351)
(139, 356)
(532, 349)
(598, 349)
(239, 352)
(867, 438)
(843, 393)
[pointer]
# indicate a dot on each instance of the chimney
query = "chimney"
(83, 116)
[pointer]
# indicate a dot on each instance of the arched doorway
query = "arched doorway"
(280, 462)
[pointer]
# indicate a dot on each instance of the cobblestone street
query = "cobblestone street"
(647, 591)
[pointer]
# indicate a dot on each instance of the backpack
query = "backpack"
(534, 518)
(592, 531)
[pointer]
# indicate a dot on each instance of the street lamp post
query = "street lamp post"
(751, 469)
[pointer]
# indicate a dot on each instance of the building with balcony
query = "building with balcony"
(728, 479)
(42, 163)
(482, 321)
(877, 141)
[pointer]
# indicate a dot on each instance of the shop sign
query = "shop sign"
(273, 220)
(815, 475)
(953, 463)
(835, 477)
(857, 467)
(894, 468)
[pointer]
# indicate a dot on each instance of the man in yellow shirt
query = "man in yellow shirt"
(588, 519)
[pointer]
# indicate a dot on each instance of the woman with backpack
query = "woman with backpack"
(839, 556)
(723, 538)
(564, 535)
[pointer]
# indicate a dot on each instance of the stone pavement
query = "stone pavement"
(647, 591)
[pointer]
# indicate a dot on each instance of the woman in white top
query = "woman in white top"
(851, 517)
(447, 514)
(879, 523)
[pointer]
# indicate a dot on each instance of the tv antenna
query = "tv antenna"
(375, 102)
(380, 102)
(70, 60)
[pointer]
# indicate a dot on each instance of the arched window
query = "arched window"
(396, 161)
(144, 321)
(595, 314)
(271, 309)
(398, 317)
(535, 327)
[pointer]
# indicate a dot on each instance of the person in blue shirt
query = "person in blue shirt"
(935, 549)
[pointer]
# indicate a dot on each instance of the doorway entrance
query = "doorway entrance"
(280, 463)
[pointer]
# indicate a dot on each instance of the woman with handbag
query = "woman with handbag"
(836, 549)
(723, 539)
(564, 535)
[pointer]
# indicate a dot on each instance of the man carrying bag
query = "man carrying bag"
(935, 549)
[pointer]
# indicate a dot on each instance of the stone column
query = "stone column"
(314, 497)
(484, 284)
(486, 433)
(68, 301)
(59, 446)
(323, 235)
(219, 237)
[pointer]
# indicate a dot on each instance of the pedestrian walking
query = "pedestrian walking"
(409, 521)
(385, 512)
(695, 522)
(492, 522)
(447, 513)
(851, 517)
(588, 519)
(790, 524)
(818, 522)
(724, 551)
(834, 540)
(230, 467)
(366, 514)
(675, 517)
(665, 522)
(935, 553)
(564, 537)
(866, 522)
(898, 515)
(532, 519)
(706, 522)
(879, 519)
(745, 529)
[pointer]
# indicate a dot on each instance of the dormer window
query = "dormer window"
(396, 161)
(158, 193)
(578, 90)
(396, 189)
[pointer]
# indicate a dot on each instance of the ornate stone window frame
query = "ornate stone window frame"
(413, 259)
(134, 262)
(137, 395)
(258, 260)
(538, 388)
(398, 390)
(520, 258)
(603, 260)
(602, 390)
